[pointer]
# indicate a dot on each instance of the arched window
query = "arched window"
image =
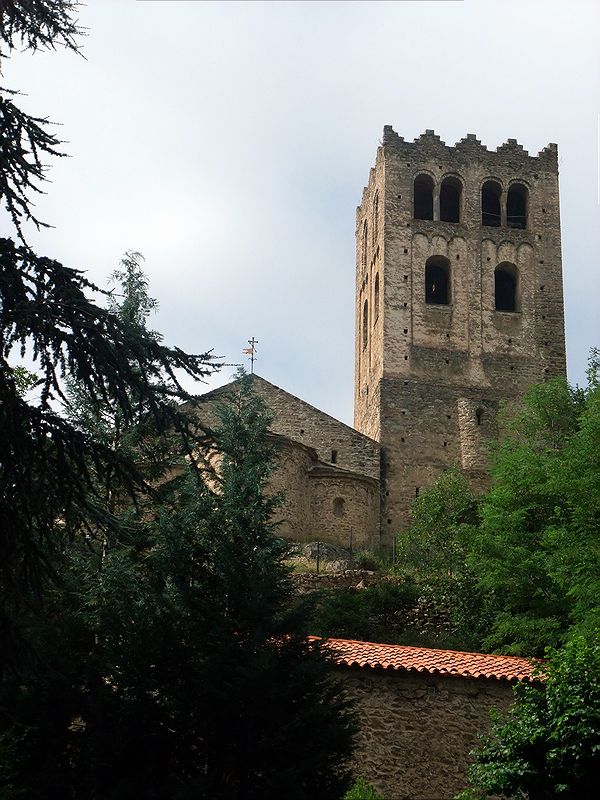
(338, 507)
(437, 281)
(375, 218)
(506, 287)
(365, 324)
(490, 204)
(376, 299)
(450, 196)
(364, 243)
(516, 206)
(423, 197)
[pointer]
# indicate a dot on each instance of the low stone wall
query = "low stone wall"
(416, 730)
(305, 582)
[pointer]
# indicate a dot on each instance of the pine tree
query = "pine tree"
(188, 672)
(50, 468)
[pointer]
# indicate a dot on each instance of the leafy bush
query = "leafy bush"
(548, 745)
(362, 790)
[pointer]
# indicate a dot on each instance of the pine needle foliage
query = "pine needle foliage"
(177, 666)
(49, 467)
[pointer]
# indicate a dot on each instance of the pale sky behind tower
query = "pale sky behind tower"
(229, 143)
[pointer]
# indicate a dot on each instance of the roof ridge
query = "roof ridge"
(426, 649)
(435, 661)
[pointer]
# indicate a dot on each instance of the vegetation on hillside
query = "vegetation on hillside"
(548, 745)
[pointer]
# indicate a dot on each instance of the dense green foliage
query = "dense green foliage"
(518, 570)
(176, 665)
(548, 745)
(149, 646)
(52, 468)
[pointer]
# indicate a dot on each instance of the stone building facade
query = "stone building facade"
(327, 472)
(459, 304)
(459, 309)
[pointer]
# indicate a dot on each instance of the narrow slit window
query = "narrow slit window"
(490, 204)
(334, 454)
(364, 244)
(437, 281)
(375, 218)
(423, 197)
(365, 324)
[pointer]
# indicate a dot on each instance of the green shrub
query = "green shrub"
(362, 790)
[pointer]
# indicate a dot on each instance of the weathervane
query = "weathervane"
(250, 351)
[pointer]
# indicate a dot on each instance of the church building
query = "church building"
(459, 309)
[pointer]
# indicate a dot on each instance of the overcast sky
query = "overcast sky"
(229, 143)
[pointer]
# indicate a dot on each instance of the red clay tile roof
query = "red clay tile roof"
(347, 652)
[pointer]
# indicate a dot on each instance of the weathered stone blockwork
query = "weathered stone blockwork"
(327, 472)
(431, 376)
(416, 732)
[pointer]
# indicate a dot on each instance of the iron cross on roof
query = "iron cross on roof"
(251, 351)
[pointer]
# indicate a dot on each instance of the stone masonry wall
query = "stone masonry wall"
(430, 378)
(331, 502)
(416, 731)
(345, 510)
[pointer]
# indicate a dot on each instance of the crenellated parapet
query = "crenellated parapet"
(429, 144)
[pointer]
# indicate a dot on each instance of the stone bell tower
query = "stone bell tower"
(459, 304)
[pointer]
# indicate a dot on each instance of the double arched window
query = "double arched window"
(437, 281)
(450, 196)
(516, 205)
(506, 287)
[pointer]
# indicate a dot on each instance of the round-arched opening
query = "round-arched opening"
(516, 206)
(423, 197)
(338, 507)
(506, 287)
(450, 199)
(491, 192)
(437, 281)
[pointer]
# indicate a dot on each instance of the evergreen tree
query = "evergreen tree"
(178, 666)
(50, 468)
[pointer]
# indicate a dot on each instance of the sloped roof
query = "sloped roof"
(402, 658)
(258, 379)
